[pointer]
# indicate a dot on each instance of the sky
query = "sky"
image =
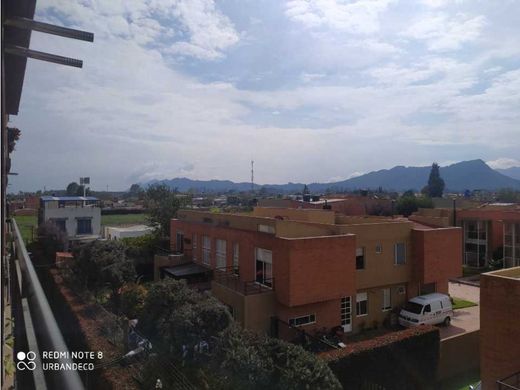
(311, 90)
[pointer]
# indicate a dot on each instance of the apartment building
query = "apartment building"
(500, 329)
(316, 268)
(491, 231)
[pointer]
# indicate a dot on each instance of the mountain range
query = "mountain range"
(461, 176)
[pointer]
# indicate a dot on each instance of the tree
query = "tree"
(52, 239)
(101, 263)
(408, 203)
(135, 189)
(435, 186)
(163, 203)
(13, 135)
(72, 189)
(306, 190)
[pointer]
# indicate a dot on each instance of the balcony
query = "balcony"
(35, 328)
(229, 278)
(510, 383)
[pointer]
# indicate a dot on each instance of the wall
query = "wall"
(380, 269)
(71, 213)
(437, 255)
(459, 355)
(318, 216)
(499, 325)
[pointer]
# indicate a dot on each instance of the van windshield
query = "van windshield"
(413, 307)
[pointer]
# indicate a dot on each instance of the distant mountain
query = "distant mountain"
(513, 172)
(465, 175)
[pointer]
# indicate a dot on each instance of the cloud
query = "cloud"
(445, 33)
(360, 17)
(503, 163)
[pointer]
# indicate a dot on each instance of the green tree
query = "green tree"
(409, 203)
(135, 189)
(103, 263)
(508, 195)
(72, 189)
(163, 203)
(51, 239)
(435, 187)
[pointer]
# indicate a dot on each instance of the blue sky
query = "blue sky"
(312, 90)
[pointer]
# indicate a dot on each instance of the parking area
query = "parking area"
(464, 320)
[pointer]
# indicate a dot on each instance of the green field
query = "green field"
(461, 303)
(28, 223)
(123, 219)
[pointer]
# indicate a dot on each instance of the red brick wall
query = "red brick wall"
(437, 256)
(499, 328)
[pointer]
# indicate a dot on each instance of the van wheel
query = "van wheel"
(447, 321)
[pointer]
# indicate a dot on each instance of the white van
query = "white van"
(427, 309)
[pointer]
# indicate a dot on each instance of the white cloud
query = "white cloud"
(503, 163)
(361, 16)
(445, 33)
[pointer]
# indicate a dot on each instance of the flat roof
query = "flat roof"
(68, 198)
(186, 270)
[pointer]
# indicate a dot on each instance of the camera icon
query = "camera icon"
(26, 361)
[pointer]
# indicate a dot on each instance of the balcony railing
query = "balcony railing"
(510, 383)
(36, 328)
(228, 277)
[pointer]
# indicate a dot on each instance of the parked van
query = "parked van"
(427, 309)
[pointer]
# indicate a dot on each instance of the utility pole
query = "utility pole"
(252, 177)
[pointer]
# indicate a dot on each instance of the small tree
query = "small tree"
(52, 239)
(72, 189)
(435, 187)
(163, 203)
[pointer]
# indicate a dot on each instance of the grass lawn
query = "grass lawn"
(123, 219)
(26, 224)
(461, 303)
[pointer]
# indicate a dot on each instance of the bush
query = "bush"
(132, 299)
(405, 360)
(51, 240)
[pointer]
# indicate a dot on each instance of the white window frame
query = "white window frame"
(206, 250)
(266, 229)
(386, 304)
(194, 243)
(379, 249)
(220, 253)
(264, 256)
(311, 319)
(361, 297)
(236, 257)
(364, 254)
(395, 253)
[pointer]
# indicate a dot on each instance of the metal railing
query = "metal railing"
(229, 278)
(510, 383)
(35, 326)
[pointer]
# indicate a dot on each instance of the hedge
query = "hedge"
(404, 360)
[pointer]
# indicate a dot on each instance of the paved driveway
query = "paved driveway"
(464, 320)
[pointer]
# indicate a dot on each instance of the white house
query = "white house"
(78, 216)
(119, 232)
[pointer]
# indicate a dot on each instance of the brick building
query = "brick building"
(316, 268)
(490, 231)
(500, 329)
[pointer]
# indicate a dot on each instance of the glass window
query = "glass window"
(236, 254)
(360, 258)
(221, 253)
(387, 305)
(400, 253)
(361, 304)
(206, 250)
(264, 267)
(379, 249)
(84, 226)
(194, 245)
(303, 320)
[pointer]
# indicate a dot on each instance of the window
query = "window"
(180, 242)
(401, 290)
(194, 244)
(60, 223)
(236, 255)
(360, 258)
(221, 253)
(84, 226)
(400, 253)
(362, 304)
(346, 314)
(266, 228)
(303, 320)
(206, 250)
(427, 309)
(379, 249)
(387, 305)
(264, 267)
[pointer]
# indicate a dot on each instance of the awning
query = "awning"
(183, 270)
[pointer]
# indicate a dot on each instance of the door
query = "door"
(346, 314)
